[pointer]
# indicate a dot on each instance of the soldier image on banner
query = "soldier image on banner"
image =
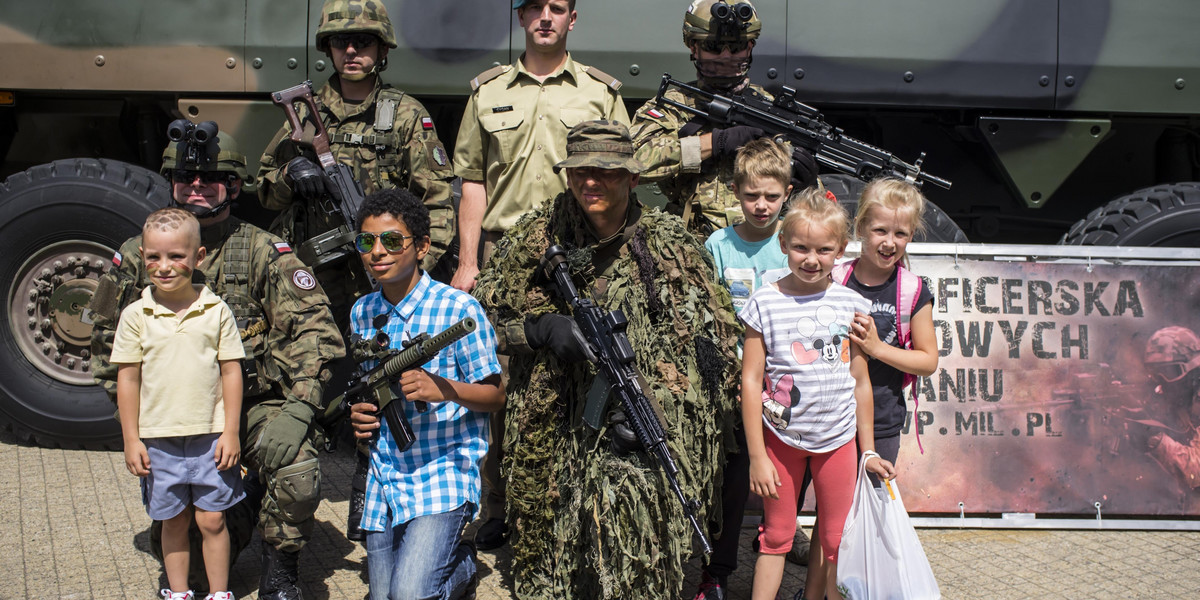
(385, 136)
(689, 158)
(594, 513)
(289, 338)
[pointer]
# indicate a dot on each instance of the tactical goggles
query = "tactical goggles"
(1170, 372)
(393, 241)
(715, 47)
(206, 177)
(360, 40)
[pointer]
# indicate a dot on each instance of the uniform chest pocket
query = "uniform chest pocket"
(502, 129)
(573, 116)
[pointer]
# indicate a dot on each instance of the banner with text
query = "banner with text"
(1042, 403)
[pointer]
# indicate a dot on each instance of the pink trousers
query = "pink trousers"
(833, 475)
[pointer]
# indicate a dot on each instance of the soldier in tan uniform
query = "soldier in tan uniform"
(289, 337)
(513, 132)
(386, 137)
(689, 159)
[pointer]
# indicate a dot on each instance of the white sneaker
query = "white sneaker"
(220, 596)
(169, 595)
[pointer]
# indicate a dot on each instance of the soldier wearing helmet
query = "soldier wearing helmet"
(289, 336)
(689, 159)
(1171, 359)
(514, 130)
(385, 136)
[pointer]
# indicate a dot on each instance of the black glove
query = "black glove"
(804, 169)
(306, 178)
(727, 141)
(623, 440)
(559, 333)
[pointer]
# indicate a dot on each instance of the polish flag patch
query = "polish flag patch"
(426, 123)
(283, 247)
(117, 258)
(654, 112)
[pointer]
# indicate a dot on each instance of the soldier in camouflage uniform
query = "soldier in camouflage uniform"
(289, 337)
(385, 136)
(1173, 360)
(689, 159)
(594, 520)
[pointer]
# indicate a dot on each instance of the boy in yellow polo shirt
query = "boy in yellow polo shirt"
(179, 395)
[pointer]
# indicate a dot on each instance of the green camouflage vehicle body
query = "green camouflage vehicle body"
(1043, 113)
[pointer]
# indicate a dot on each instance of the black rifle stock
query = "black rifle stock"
(376, 385)
(803, 127)
(605, 333)
(346, 195)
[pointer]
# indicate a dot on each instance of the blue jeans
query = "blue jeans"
(421, 559)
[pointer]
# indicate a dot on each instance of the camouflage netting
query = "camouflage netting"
(590, 523)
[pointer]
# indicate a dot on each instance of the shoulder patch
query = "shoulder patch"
(116, 259)
(604, 78)
(304, 280)
(488, 75)
(438, 158)
(426, 123)
(282, 247)
(654, 113)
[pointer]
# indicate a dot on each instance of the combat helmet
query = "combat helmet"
(720, 21)
(229, 160)
(354, 16)
(1172, 352)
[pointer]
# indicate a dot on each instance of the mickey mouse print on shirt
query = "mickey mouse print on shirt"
(822, 341)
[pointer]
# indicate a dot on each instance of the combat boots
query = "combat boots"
(279, 575)
(358, 499)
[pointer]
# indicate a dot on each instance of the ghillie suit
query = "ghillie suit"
(589, 522)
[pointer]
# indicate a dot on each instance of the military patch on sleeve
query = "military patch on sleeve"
(426, 123)
(117, 258)
(282, 247)
(303, 280)
(655, 113)
(438, 159)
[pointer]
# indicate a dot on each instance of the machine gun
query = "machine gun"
(803, 127)
(375, 386)
(605, 333)
(345, 193)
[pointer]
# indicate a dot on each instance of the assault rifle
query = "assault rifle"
(803, 127)
(346, 195)
(376, 385)
(605, 333)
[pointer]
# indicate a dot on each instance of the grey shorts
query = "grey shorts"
(184, 473)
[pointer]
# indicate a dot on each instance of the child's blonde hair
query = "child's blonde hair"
(811, 205)
(173, 219)
(892, 194)
(763, 158)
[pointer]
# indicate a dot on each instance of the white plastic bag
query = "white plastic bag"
(880, 557)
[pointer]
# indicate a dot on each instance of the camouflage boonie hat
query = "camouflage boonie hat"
(603, 144)
(354, 16)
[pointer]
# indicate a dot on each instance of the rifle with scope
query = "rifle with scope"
(375, 386)
(605, 333)
(345, 194)
(802, 126)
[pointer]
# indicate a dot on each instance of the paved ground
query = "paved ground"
(76, 529)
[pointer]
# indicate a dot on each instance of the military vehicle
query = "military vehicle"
(1043, 113)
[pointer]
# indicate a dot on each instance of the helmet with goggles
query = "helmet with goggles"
(717, 24)
(346, 17)
(1172, 353)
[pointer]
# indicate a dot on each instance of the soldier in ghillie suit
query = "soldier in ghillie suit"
(594, 516)
(385, 136)
(689, 159)
(289, 337)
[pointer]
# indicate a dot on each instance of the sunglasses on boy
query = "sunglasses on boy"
(359, 40)
(393, 241)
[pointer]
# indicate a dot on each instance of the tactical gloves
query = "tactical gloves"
(281, 438)
(305, 178)
(560, 334)
(804, 169)
(725, 142)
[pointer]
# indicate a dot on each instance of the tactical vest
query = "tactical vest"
(232, 284)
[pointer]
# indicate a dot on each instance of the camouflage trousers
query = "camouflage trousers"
(293, 492)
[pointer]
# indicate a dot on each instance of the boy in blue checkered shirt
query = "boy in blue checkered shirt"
(419, 500)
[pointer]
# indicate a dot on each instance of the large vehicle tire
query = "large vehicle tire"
(1163, 215)
(60, 224)
(939, 227)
